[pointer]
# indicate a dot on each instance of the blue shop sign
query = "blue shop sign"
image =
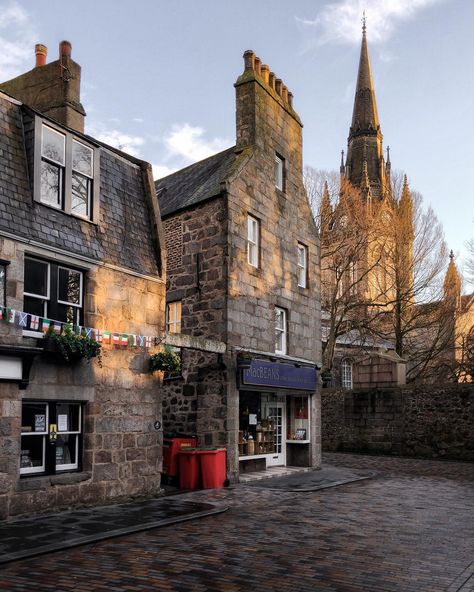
(276, 375)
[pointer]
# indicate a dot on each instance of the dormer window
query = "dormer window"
(66, 172)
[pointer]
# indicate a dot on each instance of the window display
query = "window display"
(50, 437)
(298, 419)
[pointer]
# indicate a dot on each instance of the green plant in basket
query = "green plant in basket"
(166, 361)
(74, 347)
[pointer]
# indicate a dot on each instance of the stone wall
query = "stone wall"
(121, 400)
(426, 421)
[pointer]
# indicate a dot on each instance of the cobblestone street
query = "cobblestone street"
(410, 528)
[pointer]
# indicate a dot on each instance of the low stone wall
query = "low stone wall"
(425, 421)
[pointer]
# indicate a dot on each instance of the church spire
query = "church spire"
(452, 284)
(365, 128)
(364, 116)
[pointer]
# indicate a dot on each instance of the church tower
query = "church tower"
(365, 165)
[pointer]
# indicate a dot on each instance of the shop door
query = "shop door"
(275, 411)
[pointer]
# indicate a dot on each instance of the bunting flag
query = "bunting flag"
(37, 323)
(22, 319)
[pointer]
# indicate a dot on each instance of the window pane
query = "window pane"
(51, 181)
(67, 415)
(36, 277)
(34, 417)
(278, 172)
(80, 195)
(34, 306)
(66, 450)
(53, 145)
(67, 314)
(279, 318)
(82, 158)
(32, 452)
(69, 286)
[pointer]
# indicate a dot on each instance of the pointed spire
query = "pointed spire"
(452, 284)
(342, 168)
(326, 210)
(365, 181)
(364, 115)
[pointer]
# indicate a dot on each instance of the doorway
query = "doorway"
(275, 412)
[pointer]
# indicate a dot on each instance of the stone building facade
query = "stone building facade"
(80, 242)
(244, 269)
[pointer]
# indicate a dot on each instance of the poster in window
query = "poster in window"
(62, 422)
(40, 423)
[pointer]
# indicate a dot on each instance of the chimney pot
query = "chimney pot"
(249, 58)
(284, 92)
(257, 63)
(278, 85)
(41, 51)
(265, 72)
(290, 99)
(65, 49)
(271, 80)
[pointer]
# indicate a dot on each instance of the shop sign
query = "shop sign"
(276, 375)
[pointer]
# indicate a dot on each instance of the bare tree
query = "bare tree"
(382, 266)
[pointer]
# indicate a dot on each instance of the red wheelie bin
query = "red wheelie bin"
(213, 467)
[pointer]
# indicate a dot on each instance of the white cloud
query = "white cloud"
(116, 138)
(17, 40)
(190, 143)
(161, 170)
(341, 21)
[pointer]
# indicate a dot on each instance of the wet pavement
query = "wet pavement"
(409, 528)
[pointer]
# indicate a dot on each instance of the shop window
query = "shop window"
(280, 331)
(67, 175)
(253, 240)
(173, 317)
(346, 374)
(298, 418)
(3, 282)
(279, 172)
(53, 291)
(51, 437)
(302, 266)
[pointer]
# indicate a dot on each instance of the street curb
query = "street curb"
(76, 542)
(315, 488)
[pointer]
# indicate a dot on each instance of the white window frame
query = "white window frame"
(302, 265)
(253, 240)
(43, 435)
(66, 195)
(76, 433)
(173, 320)
(47, 299)
(279, 172)
(91, 186)
(281, 330)
(346, 374)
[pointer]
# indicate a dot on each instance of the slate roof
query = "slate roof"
(195, 183)
(123, 234)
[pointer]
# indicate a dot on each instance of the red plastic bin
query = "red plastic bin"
(189, 470)
(171, 448)
(213, 468)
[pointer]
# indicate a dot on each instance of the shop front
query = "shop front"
(275, 414)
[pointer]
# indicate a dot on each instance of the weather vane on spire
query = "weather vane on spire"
(364, 21)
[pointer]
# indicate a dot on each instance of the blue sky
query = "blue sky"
(158, 78)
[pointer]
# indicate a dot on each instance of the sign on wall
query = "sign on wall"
(277, 375)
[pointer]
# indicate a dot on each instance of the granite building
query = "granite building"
(80, 248)
(243, 268)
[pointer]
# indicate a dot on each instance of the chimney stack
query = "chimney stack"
(41, 51)
(53, 89)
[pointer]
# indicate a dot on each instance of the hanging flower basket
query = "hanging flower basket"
(69, 347)
(165, 361)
